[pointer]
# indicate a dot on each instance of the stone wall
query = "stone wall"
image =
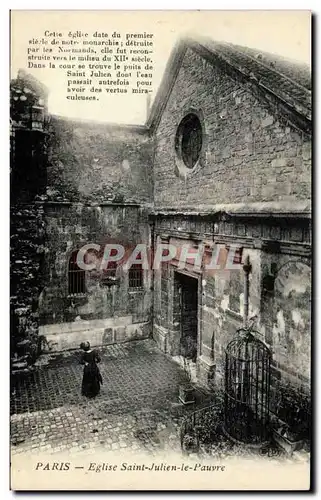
(279, 299)
(286, 314)
(28, 113)
(68, 228)
(97, 162)
(74, 183)
(97, 186)
(26, 280)
(98, 177)
(254, 160)
(250, 153)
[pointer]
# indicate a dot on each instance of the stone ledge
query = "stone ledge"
(294, 208)
(209, 363)
(97, 335)
(84, 325)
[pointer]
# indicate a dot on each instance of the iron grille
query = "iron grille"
(135, 276)
(76, 277)
(247, 388)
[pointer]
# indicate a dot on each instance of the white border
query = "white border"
(4, 178)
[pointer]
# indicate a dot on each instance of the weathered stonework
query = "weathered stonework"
(282, 315)
(69, 227)
(112, 330)
(90, 183)
(250, 186)
(100, 163)
(27, 237)
(252, 154)
(252, 190)
(28, 140)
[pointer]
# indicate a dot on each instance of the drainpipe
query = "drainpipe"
(152, 273)
(112, 301)
(148, 103)
(247, 269)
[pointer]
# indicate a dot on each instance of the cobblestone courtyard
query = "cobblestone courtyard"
(137, 409)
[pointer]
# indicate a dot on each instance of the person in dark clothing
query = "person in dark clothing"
(91, 377)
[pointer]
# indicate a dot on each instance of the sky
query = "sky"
(286, 33)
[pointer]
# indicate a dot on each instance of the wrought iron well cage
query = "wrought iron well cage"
(247, 388)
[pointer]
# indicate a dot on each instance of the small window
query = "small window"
(135, 276)
(238, 254)
(189, 140)
(76, 277)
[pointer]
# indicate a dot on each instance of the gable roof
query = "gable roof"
(285, 83)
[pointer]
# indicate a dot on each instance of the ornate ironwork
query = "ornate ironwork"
(247, 388)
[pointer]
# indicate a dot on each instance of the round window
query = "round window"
(189, 140)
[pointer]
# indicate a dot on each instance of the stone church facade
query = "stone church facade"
(223, 159)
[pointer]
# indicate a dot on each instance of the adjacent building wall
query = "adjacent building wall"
(99, 179)
(104, 314)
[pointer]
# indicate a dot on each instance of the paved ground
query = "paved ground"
(137, 409)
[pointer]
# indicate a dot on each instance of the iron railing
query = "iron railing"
(201, 424)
